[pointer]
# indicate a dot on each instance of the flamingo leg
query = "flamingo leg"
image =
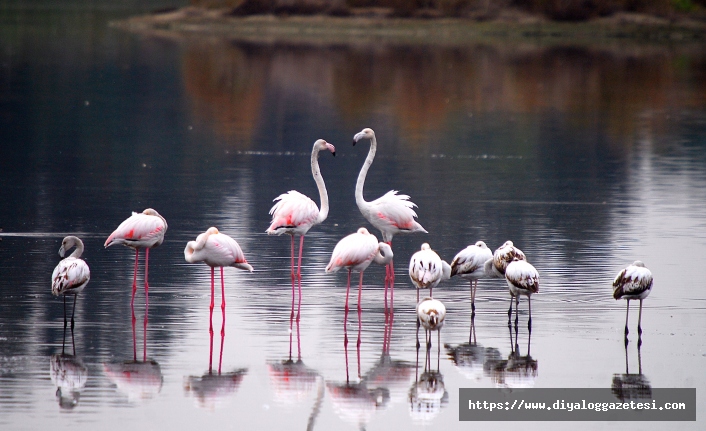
(360, 311)
(299, 274)
(144, 334)
(529, 322)
(223, 337)
(392, 282)
(387, 276)
(210, 307)
(627, 313)
(65, 321)
(73, 311)
(134, 277)
(345, 313)
(473, 300)
(517, 311)
(292, 274)
(509, 311)
(639, 319)
(210, 353)
(134, 337)
(223, 304)
(147, 286)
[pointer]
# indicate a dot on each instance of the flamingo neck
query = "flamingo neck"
(323, 194)
(79, 249)
(364, 172)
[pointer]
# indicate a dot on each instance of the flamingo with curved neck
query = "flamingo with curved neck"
(390, 213)
(294, 213)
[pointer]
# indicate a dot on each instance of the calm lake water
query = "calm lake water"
(588, 158)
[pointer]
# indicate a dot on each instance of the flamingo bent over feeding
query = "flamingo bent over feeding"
(356, 252)
(431, 314)
(141, 230)
(522, 279)
(390, 213)
(633, 282)
(71, 275)
(216, 249)
(426, 269)
(469, 263)
(294, 213)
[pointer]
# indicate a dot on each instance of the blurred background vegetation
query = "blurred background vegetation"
(560, 10)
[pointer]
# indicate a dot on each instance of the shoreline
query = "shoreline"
(324, 29)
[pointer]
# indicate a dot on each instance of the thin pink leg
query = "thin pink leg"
(387, 278)
(223, 337)
(134, 335)
(292, 274)
(144, 335)
(134, 279)
(299, 273)
(345, 313)
(210, 307)
(210, 353)
(223, 304)
(147, 286)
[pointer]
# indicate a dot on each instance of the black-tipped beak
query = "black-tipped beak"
(334, 153)
(354, 142)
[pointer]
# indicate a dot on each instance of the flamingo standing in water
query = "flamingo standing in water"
(141, 230)
(502, 257)
(633, 282)
(216, 249)
(356, 252)
(426, 269)
(522, 279)
(469, 263)
(294, 213)
(71, 275)
(390, 213)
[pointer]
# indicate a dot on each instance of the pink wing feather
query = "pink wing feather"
(292, 212)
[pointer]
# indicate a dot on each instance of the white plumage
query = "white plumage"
(426, 269)
(431, 313)
(633, 282)
(502, 258)
(216, 249)
(469, 263)
(522, 279)
(71, 275)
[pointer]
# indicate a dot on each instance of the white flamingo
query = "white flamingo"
(390, 213)
(431, 314)
(71, 275)
(522, 279)
(633, 282)
(216, 249)
(294, 213)
(356, 252)
(426, 269)
(502, 257)
(469, 263)
(141, 230)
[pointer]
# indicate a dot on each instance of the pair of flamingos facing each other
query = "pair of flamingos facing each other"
(294, 214)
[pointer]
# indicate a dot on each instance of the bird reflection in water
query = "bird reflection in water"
(139, 380)
(211, 390)
(69, 374)
(629, 387)
(469, 358)
(428, 395)
(292, 381)
(517, 371)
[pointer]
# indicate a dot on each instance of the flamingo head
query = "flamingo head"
(481, 244)
(322, 145)
(363, 231)
(212, 231)
(66, 245)
(638, 263)
(366, 133)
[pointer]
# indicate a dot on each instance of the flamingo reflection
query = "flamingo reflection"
(292, 381)
(631, 386)
(139, 380)
(69, 374)
(428, 394)
(211, 389)
(470, 357)
(517, 371)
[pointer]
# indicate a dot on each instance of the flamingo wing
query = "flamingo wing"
(292, 212)
(225, 249)
(139, 230)
(393, 212)
(632, 280)
(506, 254)
(71, 274)
(355, 251)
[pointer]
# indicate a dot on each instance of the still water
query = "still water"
(586, 157)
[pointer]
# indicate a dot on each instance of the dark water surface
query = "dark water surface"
(587, 158)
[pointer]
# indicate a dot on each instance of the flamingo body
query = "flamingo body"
(141, 230)
(216, 249)
(431, 313)
(71, 275)
(502, 258)
(426, 269)
(633, 282)
(469, 262)
(522, 278)
(293, 213)
(357, 251)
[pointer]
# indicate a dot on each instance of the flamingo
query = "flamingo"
(294, 213)
(390, 213)
(633, 282)
(356, 252)
(501, 258)
(216, 249)
(431, 314)
(469, 263)
(71, 275)
(522, 279)
(426, 269)
(141, 230)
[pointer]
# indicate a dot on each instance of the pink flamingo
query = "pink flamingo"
(141, 230)
(71, 275)
(356, 252)
(216, 249)
(390, 213)
(294, 213)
